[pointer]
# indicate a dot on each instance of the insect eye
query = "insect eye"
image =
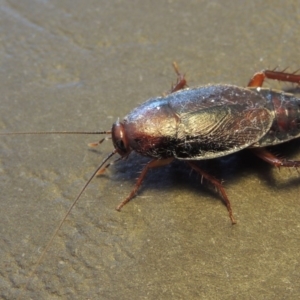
(119, 139)
(120, 145)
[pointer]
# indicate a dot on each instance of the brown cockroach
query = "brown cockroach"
(200, 123)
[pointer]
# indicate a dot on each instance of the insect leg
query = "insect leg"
(273, 160)
(181, 81)
(258, 78)
(150, 165)
(217, 184)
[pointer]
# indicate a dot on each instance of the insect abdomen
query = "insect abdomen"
(286, 118)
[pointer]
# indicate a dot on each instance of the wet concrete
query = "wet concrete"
(79, 66)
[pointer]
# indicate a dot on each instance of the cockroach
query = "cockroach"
(201, 123)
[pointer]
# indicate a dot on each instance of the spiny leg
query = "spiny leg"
(150, 165)
(218, 186)
(181, 81)
(258, 78)
(273, 160)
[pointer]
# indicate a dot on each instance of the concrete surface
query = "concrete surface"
(79, 65)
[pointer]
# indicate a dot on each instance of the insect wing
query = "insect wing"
(219, 120)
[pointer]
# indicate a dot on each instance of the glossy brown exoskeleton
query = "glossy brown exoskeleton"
(206, 122)
(200, 123)
(210, 121)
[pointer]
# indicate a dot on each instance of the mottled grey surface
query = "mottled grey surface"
(79, 65)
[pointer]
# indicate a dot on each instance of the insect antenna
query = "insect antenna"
(102, 170)
(56, 132)
(47, 247)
